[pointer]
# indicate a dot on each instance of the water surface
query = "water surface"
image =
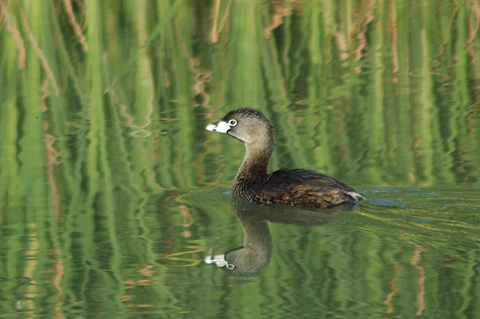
(112, 193)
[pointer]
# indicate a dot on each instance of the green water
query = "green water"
(112, 193)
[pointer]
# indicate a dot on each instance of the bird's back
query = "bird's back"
(298, 187)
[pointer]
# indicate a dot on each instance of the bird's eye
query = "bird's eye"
(232, 122)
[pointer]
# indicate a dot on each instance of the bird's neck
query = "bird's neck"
(257, 157)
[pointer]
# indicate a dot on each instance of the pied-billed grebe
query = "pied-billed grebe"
(286, 186)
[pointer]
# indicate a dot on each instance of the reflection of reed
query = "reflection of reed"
(414, 261)
(393, 289)
(373, 93)
(416, 258)
(353, 128)
(216, 26)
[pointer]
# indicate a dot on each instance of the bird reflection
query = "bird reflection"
(256, 252)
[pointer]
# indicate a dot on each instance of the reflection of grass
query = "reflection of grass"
(104, 104)
(182, 259)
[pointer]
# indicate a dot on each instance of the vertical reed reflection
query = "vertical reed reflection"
(103, 106)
